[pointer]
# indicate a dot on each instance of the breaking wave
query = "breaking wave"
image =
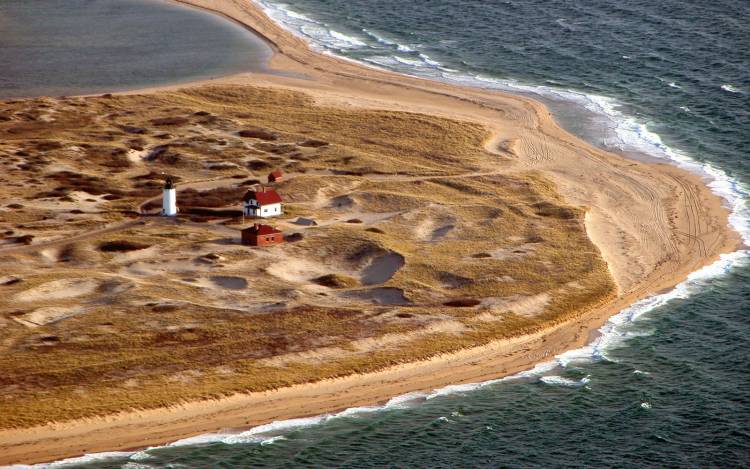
(86, 459)
(730, 88)
(321, 36)
(562, 381)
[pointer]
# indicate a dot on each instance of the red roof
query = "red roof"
(262, 230)
(263, 196)
(276, 174)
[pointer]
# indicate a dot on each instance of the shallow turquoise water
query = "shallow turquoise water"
(668, 383)
(50, 47)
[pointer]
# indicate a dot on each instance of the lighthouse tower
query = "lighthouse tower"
(169, 199)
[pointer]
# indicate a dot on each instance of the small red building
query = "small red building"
(261, 235)
(275, 176)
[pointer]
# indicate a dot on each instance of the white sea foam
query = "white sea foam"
(410, 61)
(273, 440)
(199, 440)
(140, 456)
(562, 381)
(459, 388)
(322, 37)
(136, 465)
(383, 62)
(405, 400)
(617, 329)
(295, 15)
(85, 459)
(730, 88)
(358, 411)
(265, 432)
(318, 34)
(388, 42)
(349, 41)
(539, 370)
(273, 432)
(426, 58)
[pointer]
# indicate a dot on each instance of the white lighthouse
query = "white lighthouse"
(169, 199)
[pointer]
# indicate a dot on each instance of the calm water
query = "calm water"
(668, 383)
(53, 47)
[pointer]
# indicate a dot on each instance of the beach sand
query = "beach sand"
(653, 223)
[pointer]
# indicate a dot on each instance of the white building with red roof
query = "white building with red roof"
(262, 203)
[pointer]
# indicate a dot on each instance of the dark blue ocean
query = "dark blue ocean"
(668, 382)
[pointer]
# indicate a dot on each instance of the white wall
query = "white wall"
(169, 203)
(266, 211)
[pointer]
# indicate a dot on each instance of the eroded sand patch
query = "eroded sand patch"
(295, 270)
(516, 252)
(42, 316)
(383, 268)
(521, 305)
(59, 290)
(431, 224)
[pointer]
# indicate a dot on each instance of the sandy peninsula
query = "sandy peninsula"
(594, 232)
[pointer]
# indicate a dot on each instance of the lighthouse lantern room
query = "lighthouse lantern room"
(169, 199)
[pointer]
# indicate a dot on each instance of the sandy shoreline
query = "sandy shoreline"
(653, 223)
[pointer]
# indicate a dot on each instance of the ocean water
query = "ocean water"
(51, 47)
(667, 384)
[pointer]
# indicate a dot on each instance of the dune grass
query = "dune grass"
(157, 332)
